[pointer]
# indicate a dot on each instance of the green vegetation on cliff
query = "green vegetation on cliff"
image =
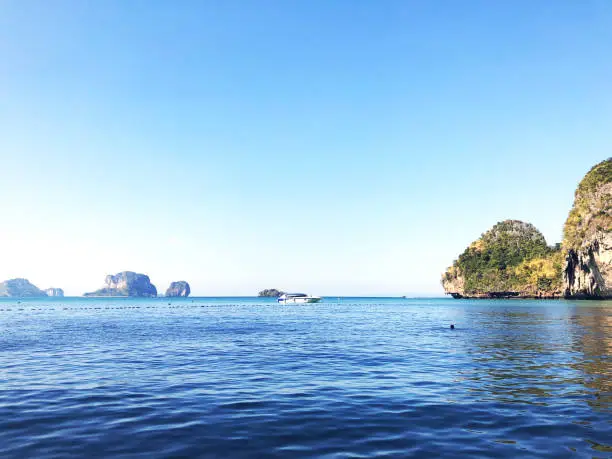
(540, 275)
(592, 210)
(511, 257)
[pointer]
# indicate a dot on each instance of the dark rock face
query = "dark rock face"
(588, 271)
(126, 283)
(54, 292)
(270, 293)
(180, 288)
(20, 288)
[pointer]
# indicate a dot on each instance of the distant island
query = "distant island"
(270, 293)
(21, 288)
(513, 260)
(180, 288)
(54, 292)
(123, 284)
(126, 283)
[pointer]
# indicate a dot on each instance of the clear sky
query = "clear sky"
(333, 147)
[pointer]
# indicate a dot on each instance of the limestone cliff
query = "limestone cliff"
(20, 288)
(453, 282)
(126, 283)
(180, 288)
(512, 259)
(588, 237)
(54, 292)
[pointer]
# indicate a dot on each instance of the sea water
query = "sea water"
(349, 377)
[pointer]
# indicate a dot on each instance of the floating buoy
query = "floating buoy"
(452, 326)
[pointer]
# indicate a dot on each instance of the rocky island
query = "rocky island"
(54, 292)
(20, 288)
(126, 283)
(270, 293)
(512, 259)
(180, 288)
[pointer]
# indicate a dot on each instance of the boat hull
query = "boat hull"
(312, 299)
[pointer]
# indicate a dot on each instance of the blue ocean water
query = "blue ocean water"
(350, 377)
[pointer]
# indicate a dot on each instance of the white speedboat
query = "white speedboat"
(299, 298)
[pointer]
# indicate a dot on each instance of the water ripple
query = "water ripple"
(249, 378)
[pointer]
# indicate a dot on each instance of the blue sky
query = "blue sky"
(335, 147)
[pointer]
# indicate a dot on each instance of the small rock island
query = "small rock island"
(270, 293)
(20, 288)
(54, 292)
(179, 288)
(126, 283)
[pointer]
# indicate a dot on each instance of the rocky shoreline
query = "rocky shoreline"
(506, 296)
